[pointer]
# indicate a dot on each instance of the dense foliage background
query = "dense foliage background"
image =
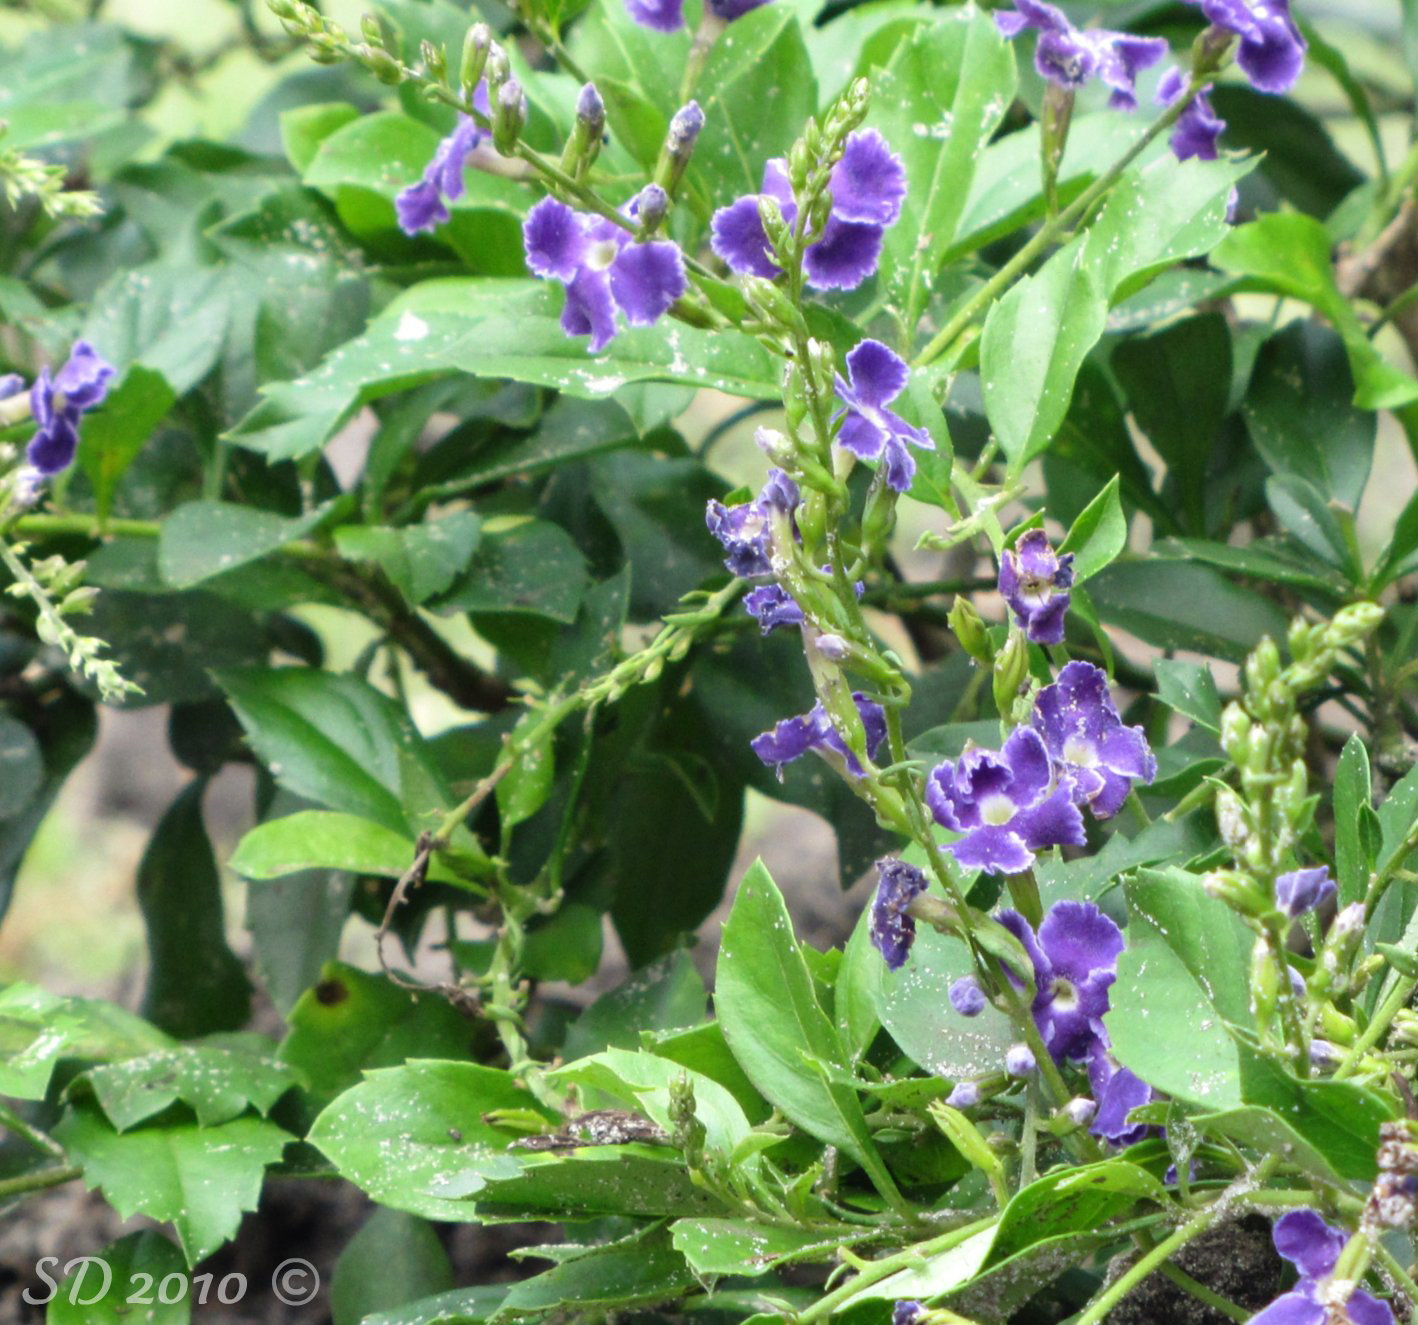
(368, 527)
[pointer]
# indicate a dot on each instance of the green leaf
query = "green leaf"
(1099, 533)
(1265, 559)
(1305, 514)
(199, 1179)
(1289, 253)
(196, 984)
(393, 1258)
(1189, 689)
(640, 1270)
(857, 992)
(38, 1030)
(219, 1084)
(324, 839)
(528, 783)
(335, 739)
(351, 1022)
(743, 1247)
(417, 1138)
(1398, 817)
(204, 538)
(937, 102)
(423, 559)
(627, 1180)
(756, 90)
(1352, 794)
(1398, 559)
(138, 1289)
(1177, 605)
(304, 128)
(112, 437)
(463, 1306)
(532, 567)
(1037, 336)
(774, 1025)
(1182, 977)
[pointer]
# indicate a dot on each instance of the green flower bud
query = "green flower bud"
(497, 67)
(509, 116)
(800, 157)
(1336, 1027)
(1239, 891)
(1011, 671)
(969, 629)
(774, 226)
(1267, 980)
(1235, 733)
(878, 519)
(1354, 623)
(370, 29)
(1263, 666)
(476, 45)
(435, 60)
(381, 64)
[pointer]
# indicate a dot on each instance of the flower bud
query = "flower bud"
(1354, 623)
(369, 27)
(497, 66)
(588, 131)
(1011, 670)
(1239, 891)
(1266, 978)
(1019, 1060)
(650, 207)
(476, 46)
(833, 647)
(685, 127)
(381, 64)
(1263, 666)
(964, 1095)
(435, 60)
(969, 629)
(1235, 733)
(1080, 1110)
(774, 226)
(509, 116)
(1232, 820)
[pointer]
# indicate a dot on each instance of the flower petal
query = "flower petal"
(1027, 758)
(877, 372)
(993, 850)
(847, 253)
(84, 379)
(1057, 822)
(1308, 1243)
(658, 15)
(590, 310)
(737, 236)
(900, 465)
(554, 237)
(1291, 1309)
(869, 182)
(1080, 940)
(646, 279)
(862, 437)
(420, 207)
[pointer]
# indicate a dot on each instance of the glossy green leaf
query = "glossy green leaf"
(405, 1133)
(527, 567)
(393, 1258)
(1098, 535)
(422, 560)
(641, 1270)
(204, 538)
(1289, 253)
(1189, 689)
(140, 1288)
(219, 1084)
(663, 996)
(765, 1000)
(1352, 793)
(113, 436)
(199, 1179)
(743, 1247)
(596, 1180)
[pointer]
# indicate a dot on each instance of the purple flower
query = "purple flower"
(868, 186)
(602, 270)
(893, 929)
(1303, 890)
(11, 384)
(746, 530)
(877, 375)
(966, 996)
(1019, 1060)
(1313, 1248)
(1118, 1093)
(1035, 582)
(1070, 58)
(658, 15)
(728, 10)
(794, 737)
(1006, 804)
(1075, 961)
(1272, 49)
(1086, 737)
(906, 1313)
(772, 606)
(423, 206)
(58, 402)
(1199, 127)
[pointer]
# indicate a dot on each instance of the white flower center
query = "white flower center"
(601, 254)
(997, 810)
(1065, 995)
(1081, 753)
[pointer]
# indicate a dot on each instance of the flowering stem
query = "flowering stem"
(1051, 230)
(1389, 1265)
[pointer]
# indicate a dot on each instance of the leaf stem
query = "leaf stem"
(37, 1182)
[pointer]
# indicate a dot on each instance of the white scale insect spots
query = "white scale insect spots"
(411, 327)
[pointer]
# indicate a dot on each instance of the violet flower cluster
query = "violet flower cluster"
(1270, 52)
(868, 187)
(58, 402)
(424, 206)
(1313, 1247)
(876, 375)
(603, 267)
(1035, 581)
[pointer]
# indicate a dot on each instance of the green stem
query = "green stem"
(1397, 998)
(876, 1271)
(1144, 1266)
(12, 1122)
(1202, 1293)
(1051, 230)
(37, 1182)
(1403, 1278)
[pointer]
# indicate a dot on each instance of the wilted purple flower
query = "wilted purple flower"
(1070, 58)
(1075, 960)
(1019, 1060)
(1007, 804)
(1197, 130)
(964, 1095)
(1080, 1110)
(772, 606)
(1084, 734)
(893, 929)
(1035, 582)
(1303, 890)
(1118, 1093)
(876, 375)
(1272, 51)
(1313, 1247)
(794, 737)
(746, 530)
(868, 186)
(58, 402)
(423, 206)
(906, 1313)
(602, 269)
(966, 996)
